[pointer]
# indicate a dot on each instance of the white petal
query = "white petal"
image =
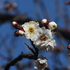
(35, 67)
(38, 42)
(42, 61)
(31, 24)
(35, 36)
(49, 33)
(27, 35)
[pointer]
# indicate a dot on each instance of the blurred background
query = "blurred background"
(26, 10)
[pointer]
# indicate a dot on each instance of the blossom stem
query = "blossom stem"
(35, 48)
(30, 48)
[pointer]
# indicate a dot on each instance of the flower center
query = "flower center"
(31, 30)
(43, 37)
(54, 26)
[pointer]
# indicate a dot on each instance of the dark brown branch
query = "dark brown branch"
(4, 17)
(22, 55)
(30, 48)
(35, 48)
(64, 33)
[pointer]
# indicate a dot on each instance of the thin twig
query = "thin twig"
(30, 48)
(35, 48)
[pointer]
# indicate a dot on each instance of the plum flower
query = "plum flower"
(30, 28)
(43, 39)
(40, 64)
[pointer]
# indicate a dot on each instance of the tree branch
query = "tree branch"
(35, 48)
(4, 17)
(64, 33)
(22, 55)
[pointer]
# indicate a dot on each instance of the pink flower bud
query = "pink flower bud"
(14, 23)
(45, 21)
(21, 32)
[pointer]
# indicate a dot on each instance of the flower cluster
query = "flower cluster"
(41, 37)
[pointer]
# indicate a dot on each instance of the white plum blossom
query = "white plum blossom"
(43, 39)
(30, 29)
(40, 64)
(52, 25)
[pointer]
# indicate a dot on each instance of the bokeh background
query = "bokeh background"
(25, 10)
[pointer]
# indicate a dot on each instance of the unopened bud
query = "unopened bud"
(52, 25)
(16, 25)
(45, 21)
(21, 32)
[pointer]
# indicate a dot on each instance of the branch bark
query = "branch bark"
(22, 55)
(64, 33)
